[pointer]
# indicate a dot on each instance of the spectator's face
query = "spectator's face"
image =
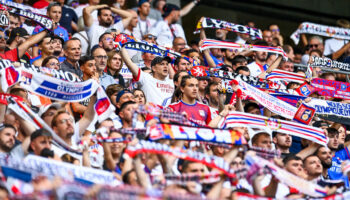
(89, 68)
(126, 97)
(191, 88)
(195, 56)
(315, 44)
(107, 42)
(116, 62)
(220, 33)
(263, 141)
(57, 45)
(291, 55)
(48, 115)
(101, 57)
(202, 84)
(7, 139)
(127, 113)
(161, 69)
(274, 30)
(216, 52)
(283, 140)
(14, 22)
(40, 143)
(182, 74)
(342, 135)
(55, 13)
(297, 58)
(267, 37)
(261, 56)
(325, 155)
(313, 166)
(214, 95)
(145, 8)
(139, 97)
(160, 5)
(134, 20)
(53, 64)
(148, 57)
(295, 167)
(287, 66)
(73, 51)
(333, 142)
(47, 46)
(183, 65)
(2, 40)
(230, 54)
(179, 45)
(176, 16)
(116, 147)
(194, 168)
(237, 163)
(64, 126)
(106, 18)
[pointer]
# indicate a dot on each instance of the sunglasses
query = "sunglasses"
(312, 45)
(3, 37)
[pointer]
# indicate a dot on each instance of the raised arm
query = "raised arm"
(186, 9)
(88, 19)
(125, 15)
(132, 66)
(341, 51)
(88, 116)
(30, 42)
(273, 66)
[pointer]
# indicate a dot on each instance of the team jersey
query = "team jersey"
(196, 112)
(335, 172)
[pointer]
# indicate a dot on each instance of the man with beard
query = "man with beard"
(181, 64)
(325, 155)
(259, 65)
(105, 20)
(179, 45)
(212, 94)
(229, 54)
(106, 42)
(7, 137)
(167, 30)
(282, 142)
(313, 168)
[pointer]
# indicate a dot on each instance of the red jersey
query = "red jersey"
(10, 55)
(196, 112)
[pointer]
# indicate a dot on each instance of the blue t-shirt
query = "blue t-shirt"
(59, 31)
(335, 172)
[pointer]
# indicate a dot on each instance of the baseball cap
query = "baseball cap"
(168, 8)
(159, 59)
(45, 108)
(21, 32)
(142, 2)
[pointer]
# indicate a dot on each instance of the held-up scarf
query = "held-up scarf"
(9, 77)
(266, 153)
(176, 132)
(328, 88)
(304, 114)
(288, 178)
(328, 63)
(322, 30)
(272, 103)
(59, 74)
(4, 21)
(282, 75)
(18, 9)
(237, 28)
(200, 71)
(240, 119)
(152, 147)
(209, 43)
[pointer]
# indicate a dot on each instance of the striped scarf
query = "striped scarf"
(282, 75)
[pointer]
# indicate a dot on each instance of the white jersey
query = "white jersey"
(255, 69)
(143, 27)
(166, 34)
(156, 91)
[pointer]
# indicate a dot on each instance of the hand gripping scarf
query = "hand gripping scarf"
(322, 30)
(219, 24)
(240, 119)
(209, 43)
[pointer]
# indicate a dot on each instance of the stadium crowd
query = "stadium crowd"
(88, 112)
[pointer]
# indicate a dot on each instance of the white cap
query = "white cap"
(45, 108)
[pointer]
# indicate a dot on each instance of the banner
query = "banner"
(322, 30)
(240, 119)
(304, 114)
(57, 89)
(103, 106)
(328, 88)
(272, 103)
(59, 74)
(328, 63)
(209, 43)
(9, 77)
(288, 178)
(17, 9)
(208, 160)
(237, 28)
(176, 132)
(282, 75)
